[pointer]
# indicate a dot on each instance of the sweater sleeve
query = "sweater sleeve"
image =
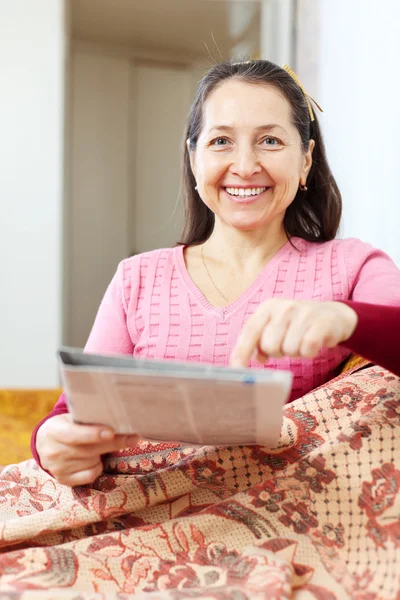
(109, 335)
(373, 276)
(377, 334)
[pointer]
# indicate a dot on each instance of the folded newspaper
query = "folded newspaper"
(172, 401)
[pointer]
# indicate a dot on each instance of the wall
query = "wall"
(276, 24)
(97, 236)
(357, 85)
(162, 101)
(127, 119)
(32, 55)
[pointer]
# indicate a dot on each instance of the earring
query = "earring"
(303, 188)
(196, 188)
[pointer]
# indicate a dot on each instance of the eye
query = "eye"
(219, 142)
(271, 142)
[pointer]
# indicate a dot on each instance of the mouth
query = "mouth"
(247, 194)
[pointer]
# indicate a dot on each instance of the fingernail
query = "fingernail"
(131, 440)
(106, 434)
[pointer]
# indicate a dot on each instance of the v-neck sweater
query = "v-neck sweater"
(153, 309)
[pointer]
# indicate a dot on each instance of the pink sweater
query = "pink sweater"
(153, 309)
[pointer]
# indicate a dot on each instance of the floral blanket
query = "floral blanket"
(316, 519)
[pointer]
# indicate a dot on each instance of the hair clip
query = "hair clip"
(307, 97)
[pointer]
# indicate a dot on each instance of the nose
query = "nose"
(245, 163)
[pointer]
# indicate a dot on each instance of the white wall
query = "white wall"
(126, 121)
(98, 202)
(32, 54)
(163, 97)
(359, 89)
(276, 25)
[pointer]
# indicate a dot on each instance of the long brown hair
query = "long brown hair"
(315, 214)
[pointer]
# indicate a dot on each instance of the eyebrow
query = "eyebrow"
(229, 129)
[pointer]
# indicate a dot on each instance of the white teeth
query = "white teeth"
(245, 191)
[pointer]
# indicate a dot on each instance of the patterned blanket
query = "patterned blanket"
(318, 518)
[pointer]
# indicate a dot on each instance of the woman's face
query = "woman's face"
(248, 162)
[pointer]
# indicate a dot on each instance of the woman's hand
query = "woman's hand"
(72, 452)
(293, 328)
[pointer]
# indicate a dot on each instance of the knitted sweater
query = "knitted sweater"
(377, 334)
(152, 308)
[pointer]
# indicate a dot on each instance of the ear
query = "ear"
(307, 162)
(191, 158)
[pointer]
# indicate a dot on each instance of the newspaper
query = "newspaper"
(175, 402)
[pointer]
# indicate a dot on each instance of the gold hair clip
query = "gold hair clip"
(307, 97)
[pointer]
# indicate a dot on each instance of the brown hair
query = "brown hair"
(313, 215)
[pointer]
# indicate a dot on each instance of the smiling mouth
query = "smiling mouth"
(245, 192)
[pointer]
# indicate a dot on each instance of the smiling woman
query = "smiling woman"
(247, 156)
(262, 213)
(251, 126)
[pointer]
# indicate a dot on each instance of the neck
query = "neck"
(243, 249)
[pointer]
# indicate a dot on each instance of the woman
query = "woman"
(262, 212)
